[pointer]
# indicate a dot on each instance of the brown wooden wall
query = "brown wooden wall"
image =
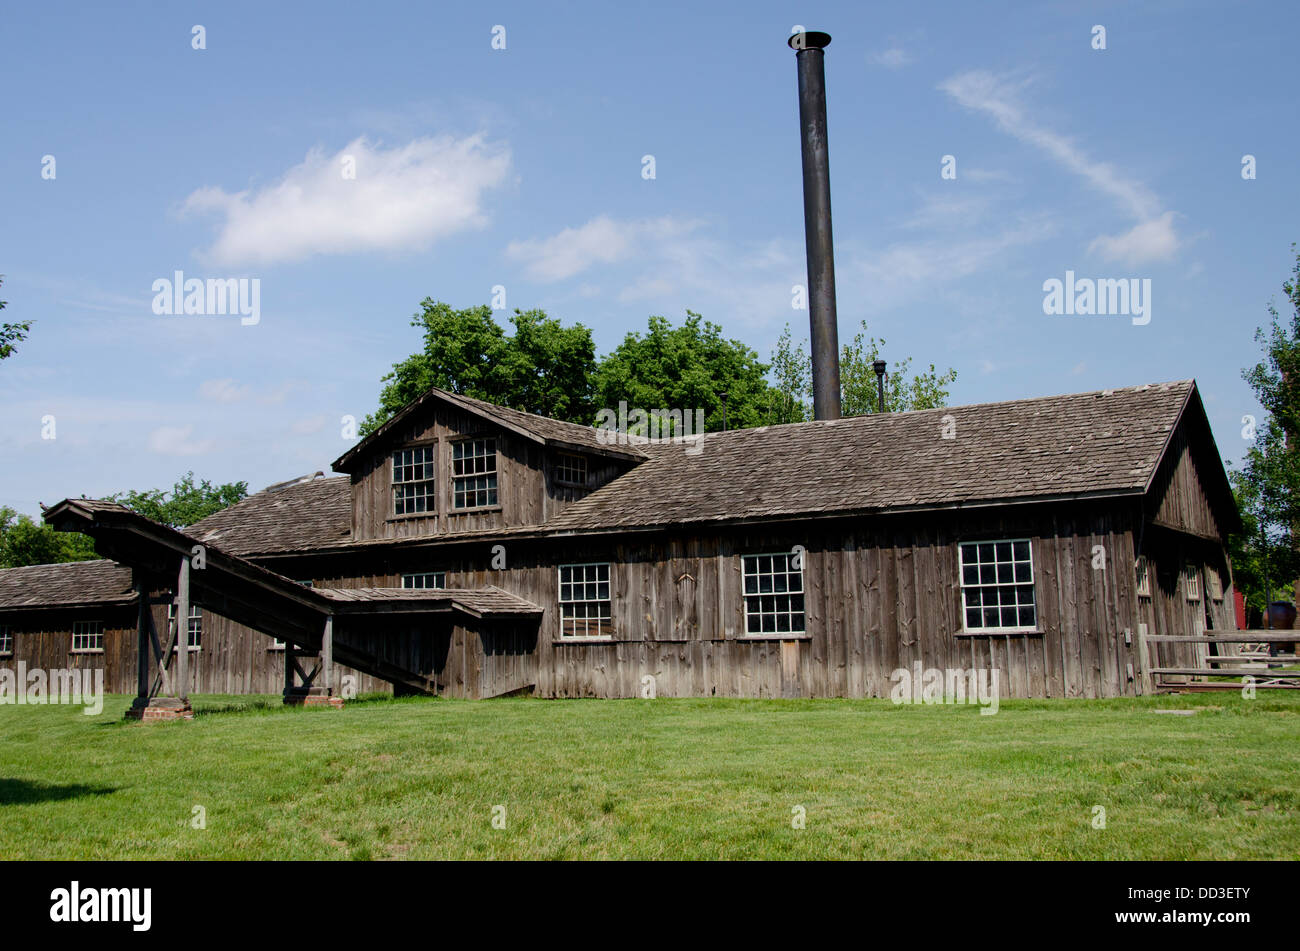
(1180, 496)
(234, 659)
(527, 491)
(882, 593)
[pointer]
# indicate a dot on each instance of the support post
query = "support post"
(327, 656)
(183, 630)
(143, 645)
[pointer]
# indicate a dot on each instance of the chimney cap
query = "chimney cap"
(809, 40)
(879, 367)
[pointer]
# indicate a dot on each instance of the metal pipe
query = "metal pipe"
(879, 367)
(809, 50)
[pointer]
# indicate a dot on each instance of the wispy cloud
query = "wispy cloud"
(893, 58)
(602, 240)
(178, 441)
(1152, 238)
(400, 198)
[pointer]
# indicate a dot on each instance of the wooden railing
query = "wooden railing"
(1252, 658)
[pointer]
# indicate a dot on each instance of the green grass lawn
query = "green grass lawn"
(418, 778)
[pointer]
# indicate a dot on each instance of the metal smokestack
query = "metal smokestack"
(809, 57)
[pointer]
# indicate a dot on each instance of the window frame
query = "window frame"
(437, 575)
(96, 634)
(998, 630)
(561, 602)
(1191, 579)
(495, 474)
(778, 635)
(189, 632)
(430, 482)
(1142, 571)
(6, 640)
(561, 468)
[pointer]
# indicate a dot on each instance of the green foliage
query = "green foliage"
(544, 367)
(904, 390)
(186, 503)
(25, 541)
(686, 367)
(11, 334)
(1267, 486)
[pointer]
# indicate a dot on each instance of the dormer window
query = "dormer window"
(413, 481)
(474, 473)
(571, 469)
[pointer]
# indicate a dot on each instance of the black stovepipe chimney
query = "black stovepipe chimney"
(809, 57)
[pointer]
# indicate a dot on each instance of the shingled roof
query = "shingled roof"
(298, 517)
(78, 583)
(1078, 445)
(542, 429)
(1106, 442)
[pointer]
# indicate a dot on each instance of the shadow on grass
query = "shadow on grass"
(15, 792)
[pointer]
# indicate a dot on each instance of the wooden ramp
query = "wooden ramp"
(1226, 661)
(347, 626)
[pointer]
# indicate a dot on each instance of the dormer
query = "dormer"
(448, 464)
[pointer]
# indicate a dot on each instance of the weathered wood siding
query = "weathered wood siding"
(233, 660)
(880, 593)
(527, 490)
(1180, 496)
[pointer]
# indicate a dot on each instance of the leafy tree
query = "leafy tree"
(792, 367)
(186, 503)
(11, 334)
(25, 541)
(544, 367)
(1265, 553)
(686, 367)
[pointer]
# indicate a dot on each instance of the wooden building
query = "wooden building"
(476, 551)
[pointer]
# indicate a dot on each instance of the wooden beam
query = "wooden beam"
(183, 629)
(144, 620)
(327, 655)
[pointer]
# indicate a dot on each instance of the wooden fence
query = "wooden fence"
(1235, 656)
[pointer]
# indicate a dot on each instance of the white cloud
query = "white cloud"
(602, 240)
(401, 198)
(892, 58)
(178, 441)
(1152, 239)
(224, 391)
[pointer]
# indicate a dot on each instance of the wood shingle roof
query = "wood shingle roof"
(71, 583)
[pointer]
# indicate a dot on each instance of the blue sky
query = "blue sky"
(522, 167)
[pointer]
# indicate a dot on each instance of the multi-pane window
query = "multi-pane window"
(413, 481)
(773, 594)
(1143, 577)
(425, 579)
(474, 473)
(6, 640)
(195, 633)
(585, 605)
(571, 469)
(1191, 583)
(997, 585)
(87, 636)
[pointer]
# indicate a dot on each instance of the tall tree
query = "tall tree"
(25, 541)
(185, 503)
(904, 390)
(1267, 485)
(544, 367)
(11, 334)
(687, 367)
